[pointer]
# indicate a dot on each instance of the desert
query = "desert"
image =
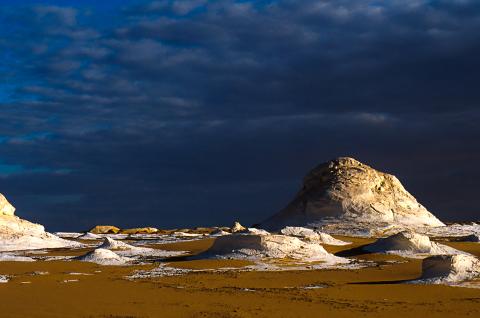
(239, 158)
(298, 270)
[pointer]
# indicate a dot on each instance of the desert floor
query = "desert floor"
(374, 291)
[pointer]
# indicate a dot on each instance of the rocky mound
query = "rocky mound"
(124, 249)
(450, 269)
(104, 229)
(103, 257)
(111, 244)
(252, 246)
(18, 234)
(89, 236)
(139, 230)
(312, 235)
(237, 227)
(219, 232)
(408, 243)
(347, 193)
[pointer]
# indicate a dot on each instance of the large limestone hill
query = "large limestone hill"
(19, 234)
(345, 193)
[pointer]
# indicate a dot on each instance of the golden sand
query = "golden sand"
(372, 292)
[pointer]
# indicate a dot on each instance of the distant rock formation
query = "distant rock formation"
(89, 236)
(237, 227)
(139, 230)
(345, 192)
(104, 229)
(127, 250)
(18, 234)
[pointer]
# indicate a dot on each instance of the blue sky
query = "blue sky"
(185, 113)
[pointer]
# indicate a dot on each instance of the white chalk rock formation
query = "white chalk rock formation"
(449, 269)
(237, 227)
(68, 234)
(124, 249)
(252, 246)
(345, 193)
(111, 244)
(89, 236)
(252, 230)
(410, 244)
(5, 207)
(17, 234)
(219, 232)
(312, 235)
(103, 256)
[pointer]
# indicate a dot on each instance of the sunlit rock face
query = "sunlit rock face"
(5, 207)
(19, 234)
(346, 192)
(104, 229)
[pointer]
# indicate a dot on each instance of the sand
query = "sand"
(376, 291)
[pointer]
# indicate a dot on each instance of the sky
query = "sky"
(197, 113)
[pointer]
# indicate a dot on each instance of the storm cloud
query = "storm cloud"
(185, 113)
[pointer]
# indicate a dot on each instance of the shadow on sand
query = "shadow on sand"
(382, 282)
(353, 252)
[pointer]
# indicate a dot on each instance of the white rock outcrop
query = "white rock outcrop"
(312, 235)
(345, 193)
(125, 249)
(103, 256)
(253, 246)
(410, 244)
(18, 234)
(89, 236)
(111, 244)
(5, 207)
(219, 232)
(449, 269)
(237, 227)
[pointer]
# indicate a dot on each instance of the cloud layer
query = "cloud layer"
(182, 113)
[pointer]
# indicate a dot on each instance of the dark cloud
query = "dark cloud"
(182, 113)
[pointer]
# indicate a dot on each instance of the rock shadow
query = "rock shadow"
(382, 282)
(356, 251)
